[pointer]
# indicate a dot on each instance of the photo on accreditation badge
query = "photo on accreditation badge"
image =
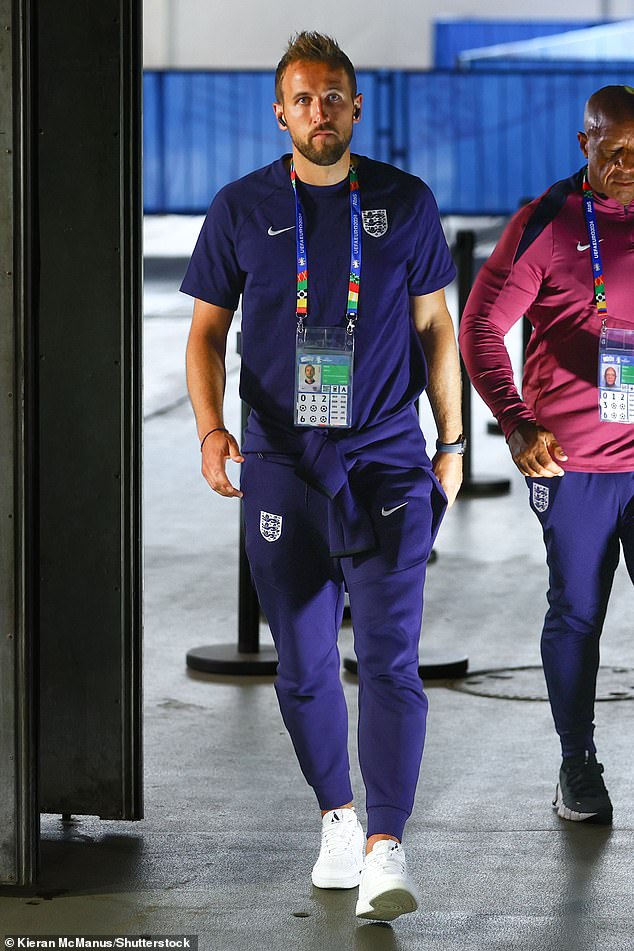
(611, 376)
(309, 378)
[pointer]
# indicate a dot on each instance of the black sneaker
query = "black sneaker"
(581, 794)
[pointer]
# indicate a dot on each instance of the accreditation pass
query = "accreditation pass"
(616, 376)
(323, 378)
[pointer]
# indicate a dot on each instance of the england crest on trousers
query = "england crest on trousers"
(541, 495)
(270, 526)
(375, 222)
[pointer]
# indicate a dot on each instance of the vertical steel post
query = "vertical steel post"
(88, 313)
(465, 247)
(488, 486)
(248, 603)
(18, 682)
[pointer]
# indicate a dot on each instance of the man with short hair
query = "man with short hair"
(341, 263)
(566, 260)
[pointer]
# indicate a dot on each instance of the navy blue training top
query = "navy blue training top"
(247, 247)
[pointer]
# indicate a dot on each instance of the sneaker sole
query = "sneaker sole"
(351, 881)
(387, 906)
(602, 817)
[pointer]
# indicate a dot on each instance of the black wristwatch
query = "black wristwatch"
(458, 446)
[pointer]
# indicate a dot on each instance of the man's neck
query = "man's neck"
(312, 174)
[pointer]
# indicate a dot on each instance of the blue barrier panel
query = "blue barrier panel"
(204, 129)
(486, 142)
(483, 141)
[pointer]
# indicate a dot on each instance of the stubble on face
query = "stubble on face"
(321, 149)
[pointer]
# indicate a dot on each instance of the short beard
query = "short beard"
(328, 154)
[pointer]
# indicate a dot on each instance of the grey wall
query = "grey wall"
(248, 34)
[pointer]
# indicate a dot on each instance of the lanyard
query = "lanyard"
(595, 251)
(355, 254)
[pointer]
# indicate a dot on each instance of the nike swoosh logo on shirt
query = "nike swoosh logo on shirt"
(385, 512)
(584, 247)
(273, 232)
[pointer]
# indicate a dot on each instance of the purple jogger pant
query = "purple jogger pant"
(301, 590)
(585, 518)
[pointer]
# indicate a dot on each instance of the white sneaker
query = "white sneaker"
(386, 891)
(341, 855)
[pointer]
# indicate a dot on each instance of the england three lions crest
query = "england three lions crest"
(270, 526)
(541, 495)
(375, 222)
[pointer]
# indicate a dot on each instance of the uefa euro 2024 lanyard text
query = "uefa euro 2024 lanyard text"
(324, 356)
(616, 345)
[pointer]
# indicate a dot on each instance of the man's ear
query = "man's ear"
(582, 138)
(278, 109)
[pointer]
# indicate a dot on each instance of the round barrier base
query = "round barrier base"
(435, 666)
(481, 487)
(227, 659)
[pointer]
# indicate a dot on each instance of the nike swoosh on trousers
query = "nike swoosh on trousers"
(386, 512)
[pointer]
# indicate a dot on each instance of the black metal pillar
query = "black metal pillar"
(70, 412)
(18, 683)
(87, 319)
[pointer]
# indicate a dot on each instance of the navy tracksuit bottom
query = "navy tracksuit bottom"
(301, 590)
(585, 518)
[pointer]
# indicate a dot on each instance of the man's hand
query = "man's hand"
(536, 452)
(447, 468)
(217, 448)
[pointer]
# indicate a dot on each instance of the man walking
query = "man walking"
(341, 263)
(567, 261)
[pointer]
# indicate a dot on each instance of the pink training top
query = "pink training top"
(552, 283)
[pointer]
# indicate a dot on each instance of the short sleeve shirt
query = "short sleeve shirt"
(247, 249)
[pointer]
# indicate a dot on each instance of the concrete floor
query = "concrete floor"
(231, 830)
